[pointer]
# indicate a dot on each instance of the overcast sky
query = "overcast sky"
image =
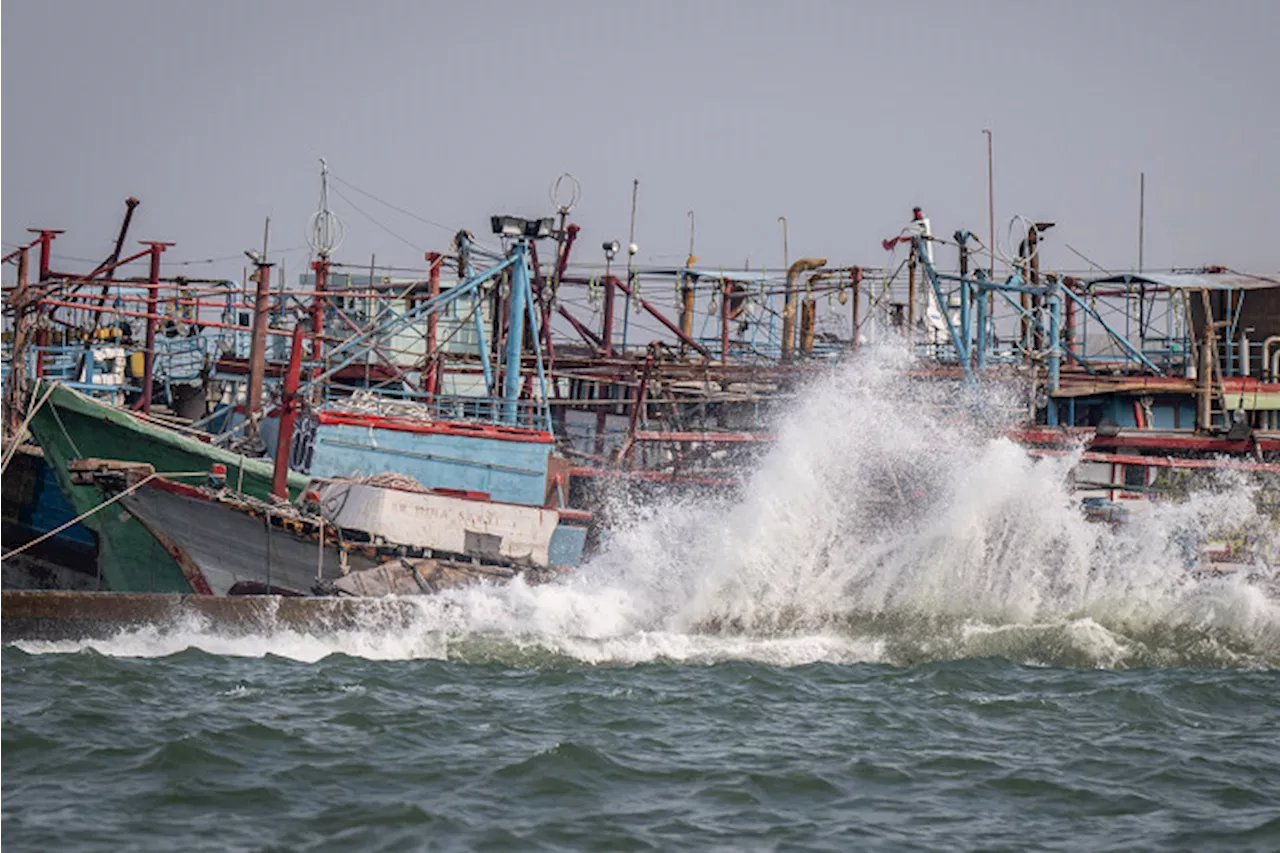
(839, 115)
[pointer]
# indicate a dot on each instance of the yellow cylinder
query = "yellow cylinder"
(137, 365)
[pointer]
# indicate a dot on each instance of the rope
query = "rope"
(392, 480)
(17, 436)
(102, 505)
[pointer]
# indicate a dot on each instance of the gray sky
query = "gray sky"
(838, 115)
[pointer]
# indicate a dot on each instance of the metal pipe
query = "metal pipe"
(153, 292)
(631, 256)
(482, 345)
(578, 326)
(45, 238)
(724, 321)
(855, 279)
(912, 262)
(258, 340)
(686, 305)
(288, 413)
(991, 208)
(1055, 348)
(808, 312)
(606, 322)
(145, 315)
(515, 331)
(1267, 360)
(1142, 213)
(1033, 278)
(321, 267)
(984, 307)
(433, 357)
(961, 238)
(130, 204)
(534, 333)
(789, 307)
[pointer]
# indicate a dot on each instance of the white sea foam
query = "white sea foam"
(890, 522)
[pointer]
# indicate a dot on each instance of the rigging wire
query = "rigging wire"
(397, 208)
(366, 215)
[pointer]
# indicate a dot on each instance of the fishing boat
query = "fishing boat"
(71, 427)
(375, 535)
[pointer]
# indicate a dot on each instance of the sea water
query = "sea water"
(899, 634)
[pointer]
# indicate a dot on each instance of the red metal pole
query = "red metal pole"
(570, 235)
(587, 335)
(45, 238)
(662, 318)
(143, 315)
(288, 413)
(258, 341)
(42, 334)
(153, 293)
(42, 340)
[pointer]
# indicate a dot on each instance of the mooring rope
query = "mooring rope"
(102, 505)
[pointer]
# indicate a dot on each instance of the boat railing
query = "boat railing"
(403, 403)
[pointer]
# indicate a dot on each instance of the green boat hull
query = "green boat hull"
(72, 426)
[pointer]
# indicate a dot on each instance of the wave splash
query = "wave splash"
(890, 523)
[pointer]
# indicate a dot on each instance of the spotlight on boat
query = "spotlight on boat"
(254, 255)
(611, 248)
(515, 226)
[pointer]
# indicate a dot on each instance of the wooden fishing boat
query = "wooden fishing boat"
(331, 541)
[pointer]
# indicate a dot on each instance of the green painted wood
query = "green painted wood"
(72, 426)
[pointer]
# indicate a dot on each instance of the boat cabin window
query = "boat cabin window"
(1135, 476)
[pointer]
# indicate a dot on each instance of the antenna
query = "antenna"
(1142, 213)
(691, 257)
(565, 197)
(324, 230)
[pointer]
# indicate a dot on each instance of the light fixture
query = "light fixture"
(515, 226)
(507, 226)
(537, 229)
(611, 248)
(254, 255)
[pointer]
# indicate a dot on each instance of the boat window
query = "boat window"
(1135, 476)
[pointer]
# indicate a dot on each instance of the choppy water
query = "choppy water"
(900, 635)
(207, 752)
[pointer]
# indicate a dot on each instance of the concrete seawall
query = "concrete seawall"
(58, 615)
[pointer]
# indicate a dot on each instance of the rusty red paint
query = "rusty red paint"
(501, 433)
(1166, 461)
(284, 442)
(153, 295)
